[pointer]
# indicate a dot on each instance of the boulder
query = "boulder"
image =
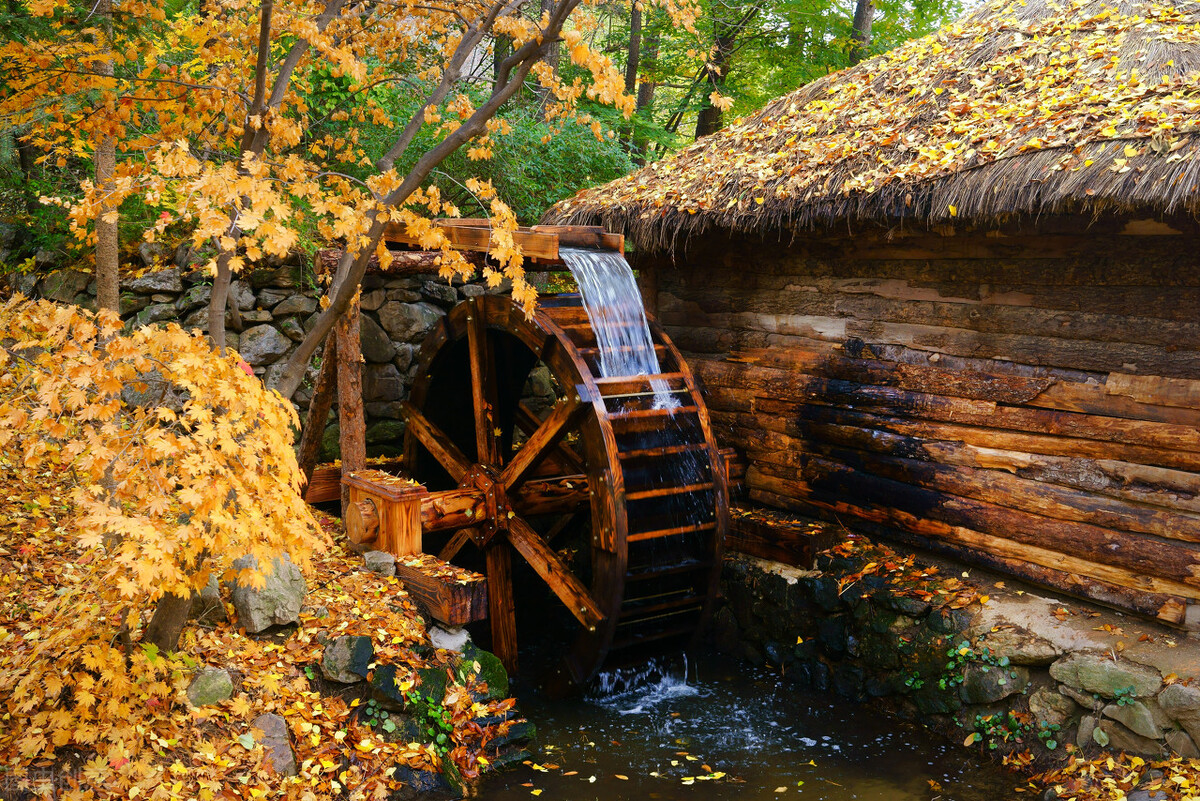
(263, 344)
(418, 782)
(408, 322)
(150, 253)
(241, 295)
(1182, 704)
(198, 295)
(1183, 745)
(291, 329)
(183, 255)
(403, 295)
(21, 283)
(380, 562)
(1051, 708)
(347, 659)
(1021, 646)
(440, 293)
(210, 686)
(170, 280)
(207, 606)
(283, 277)
(404, 355)
(449, 639)
(1097, 672)
(157, 313)
(370, 301)
(132, 304)
(277, 603)
(295, 304)
(1121, 738)
(986, 684)
(471, 290)
(276, 743)
(385, 430)
(256, 316)
(376, 347)
(63, 286)
(1136, 717)
(269, 298)
(381, 382)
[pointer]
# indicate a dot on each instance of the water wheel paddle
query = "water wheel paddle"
(651, 478)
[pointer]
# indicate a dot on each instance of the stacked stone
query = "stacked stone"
(864, 639)
(278, 305)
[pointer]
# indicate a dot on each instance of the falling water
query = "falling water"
(614, 308)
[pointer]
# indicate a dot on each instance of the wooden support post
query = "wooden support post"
(501, 611)
(318, 410)
(384, 511)
(351, 418)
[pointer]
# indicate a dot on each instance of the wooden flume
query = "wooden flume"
(492, 477)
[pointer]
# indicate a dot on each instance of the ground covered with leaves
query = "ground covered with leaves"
(133, 733)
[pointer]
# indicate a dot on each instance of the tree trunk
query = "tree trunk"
(217, 300)
(635, 46)
(108, 293)
(351, 418)
(553, 53)
(318, 410)
(167, 622)
(725, 36)
(860, 31)
(645, 92)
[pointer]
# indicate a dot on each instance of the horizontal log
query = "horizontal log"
(789, 541)
(533, 244)
(404, 262)
(1169, 560)
(1056, 571)
(806, 499)
(449, 594)
(1139, 484)
(784, 392)
(1049, 389)
(1003, 489)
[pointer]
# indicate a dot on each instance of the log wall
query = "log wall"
(1028, 401)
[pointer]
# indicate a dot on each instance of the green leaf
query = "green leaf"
(1100, 736)
(246, 741)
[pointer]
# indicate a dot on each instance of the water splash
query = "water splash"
(614, 308)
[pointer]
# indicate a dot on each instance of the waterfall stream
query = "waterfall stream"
(614, 308)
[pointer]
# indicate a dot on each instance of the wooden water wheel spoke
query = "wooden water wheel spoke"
(483, 389)
(501, 611)
(436, 442)
(529, 423)
(542, 558)
(456, 543)
(540, 443)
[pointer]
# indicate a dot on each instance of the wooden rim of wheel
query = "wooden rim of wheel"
(482, 458)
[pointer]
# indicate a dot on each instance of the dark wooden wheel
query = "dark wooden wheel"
(651, 478)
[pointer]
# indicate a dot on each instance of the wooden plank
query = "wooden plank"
(452, 596)
(326, 482)
(533, 244)
(352, 420)
(483, 386)
(452, 509)
(558, 577)
(583, 236)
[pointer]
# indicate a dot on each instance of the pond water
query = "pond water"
(753, 734)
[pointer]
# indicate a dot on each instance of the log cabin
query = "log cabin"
(950, 296)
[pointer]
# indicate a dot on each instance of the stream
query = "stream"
(751, 733)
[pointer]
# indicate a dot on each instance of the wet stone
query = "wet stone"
(347, 659)
(1097, 672)
(986, 684)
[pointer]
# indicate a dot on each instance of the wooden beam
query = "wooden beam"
(529, 422)
(543, 559)
(466, 237)
(539, 444)
(502, 612)
(352, 420)
(483, 386)
(449, 594)
(551, 496)
(436, 442)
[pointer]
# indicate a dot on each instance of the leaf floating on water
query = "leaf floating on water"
(622, 777)
(781, 789)
(538, 791)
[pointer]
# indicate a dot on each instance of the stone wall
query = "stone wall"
(1003, 676)
(277, 306)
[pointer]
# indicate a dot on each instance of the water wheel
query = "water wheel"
(650, 478)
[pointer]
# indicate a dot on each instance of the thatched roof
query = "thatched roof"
(1020, 108)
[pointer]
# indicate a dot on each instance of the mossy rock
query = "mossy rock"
(491, 671)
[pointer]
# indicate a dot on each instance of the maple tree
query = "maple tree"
(220, 143)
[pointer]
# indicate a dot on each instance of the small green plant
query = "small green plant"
(966, 654)
(999, 728)
(1048, 734)
(1125, 695)
(376, 716)
(914, 681)
(434, 720)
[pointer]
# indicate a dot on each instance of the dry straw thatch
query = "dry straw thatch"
(1022, 108)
